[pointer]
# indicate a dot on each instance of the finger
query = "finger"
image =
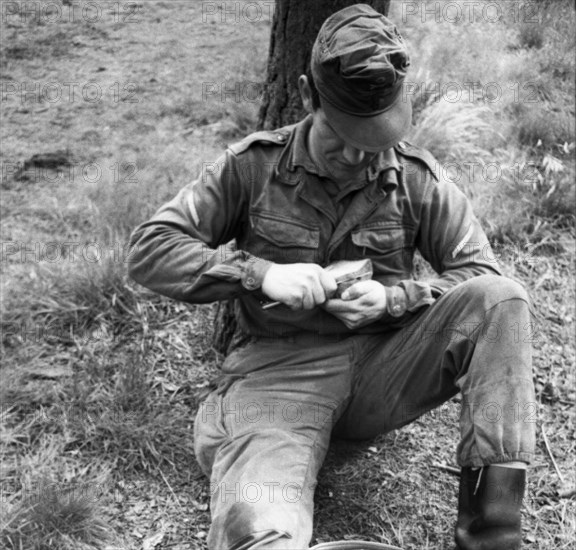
(338, 306)
(318, 294)
(295, 303)
(357, 290)
(308, 300)
(328, 283)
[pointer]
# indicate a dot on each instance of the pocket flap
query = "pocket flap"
(283, 232)
(379, 238)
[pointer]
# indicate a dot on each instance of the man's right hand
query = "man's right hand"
(299, 286)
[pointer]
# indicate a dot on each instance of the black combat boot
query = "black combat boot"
(489, 504)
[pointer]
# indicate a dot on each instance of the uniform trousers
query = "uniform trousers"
(263, 439)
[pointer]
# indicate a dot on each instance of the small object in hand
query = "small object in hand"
(345, 273)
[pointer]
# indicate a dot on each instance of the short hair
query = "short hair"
(315, 95)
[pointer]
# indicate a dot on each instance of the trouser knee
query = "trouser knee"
(491, 290)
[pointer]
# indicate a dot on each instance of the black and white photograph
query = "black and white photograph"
(287, 274)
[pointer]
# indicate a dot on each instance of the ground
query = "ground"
(107, 110)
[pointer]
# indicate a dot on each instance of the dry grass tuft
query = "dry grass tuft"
(56, 520)
(455, 131)
(70, 300)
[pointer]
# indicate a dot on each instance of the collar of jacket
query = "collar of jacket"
(386, 168)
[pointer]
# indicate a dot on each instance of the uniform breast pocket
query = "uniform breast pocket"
(283, 240)
(390, 247)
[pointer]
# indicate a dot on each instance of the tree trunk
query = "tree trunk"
(294, 29)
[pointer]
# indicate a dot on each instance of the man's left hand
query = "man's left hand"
(360, 305)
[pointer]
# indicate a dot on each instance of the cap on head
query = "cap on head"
(359, 62)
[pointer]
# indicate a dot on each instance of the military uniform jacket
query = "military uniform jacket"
(265, 195)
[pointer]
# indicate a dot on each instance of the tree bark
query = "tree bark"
(294, 29)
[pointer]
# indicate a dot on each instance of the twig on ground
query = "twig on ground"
(171, 490)
(446, 468)
(547, 444)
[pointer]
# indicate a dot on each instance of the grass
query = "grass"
(65, 299)
(508, 100)
(55, 519)
(51, 502)
(101, 379)
(455, 131)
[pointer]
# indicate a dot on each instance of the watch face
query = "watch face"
(397, 308)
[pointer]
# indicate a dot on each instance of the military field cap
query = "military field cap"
(359, 62)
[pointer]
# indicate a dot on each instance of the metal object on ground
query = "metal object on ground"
(354, 545)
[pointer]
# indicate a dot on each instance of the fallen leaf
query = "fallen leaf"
(168, 386)
(153, 540)
(199, 506)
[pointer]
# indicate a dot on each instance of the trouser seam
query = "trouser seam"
(518, 298)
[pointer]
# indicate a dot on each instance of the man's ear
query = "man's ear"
(305, 93)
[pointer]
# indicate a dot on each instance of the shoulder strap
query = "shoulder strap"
(412, 151)
(276, 137)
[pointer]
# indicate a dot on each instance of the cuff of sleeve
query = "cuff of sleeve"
(253, 273)
(418, 294)
(396, 301)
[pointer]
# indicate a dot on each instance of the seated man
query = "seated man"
(341, 185)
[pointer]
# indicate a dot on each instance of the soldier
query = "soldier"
(342, 185)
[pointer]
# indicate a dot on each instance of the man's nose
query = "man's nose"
(352, 155)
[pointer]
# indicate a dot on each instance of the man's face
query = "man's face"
(332, 154)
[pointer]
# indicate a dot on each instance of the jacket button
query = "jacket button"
(281, 137)
(401, 145)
